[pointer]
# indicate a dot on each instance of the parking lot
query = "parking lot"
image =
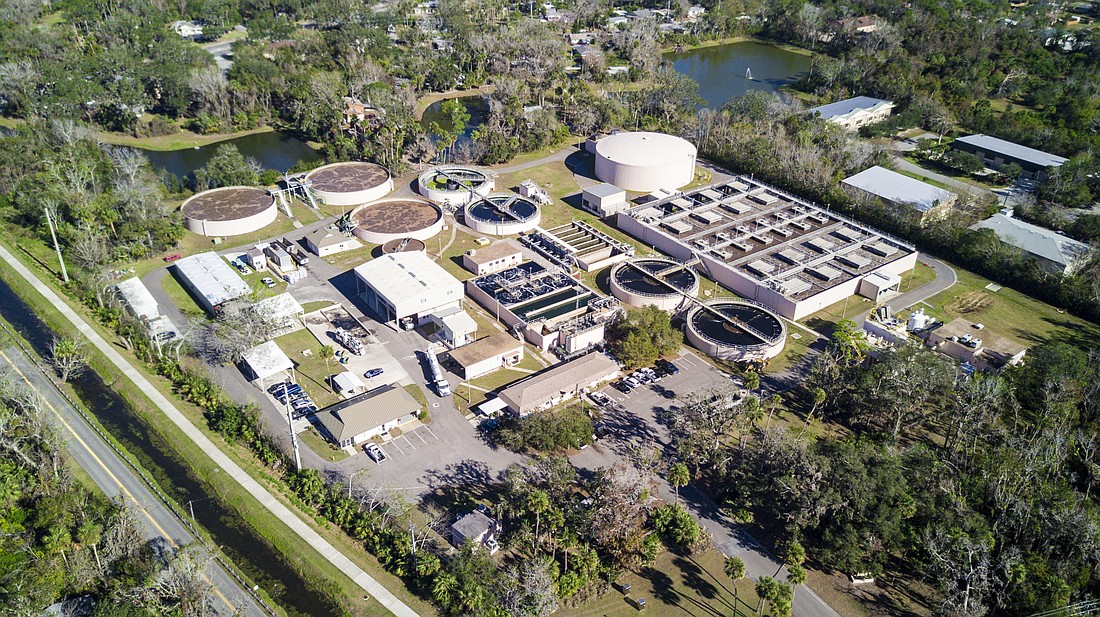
(637, 418)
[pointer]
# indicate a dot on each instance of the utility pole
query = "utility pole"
(290, 427)
(56, 246)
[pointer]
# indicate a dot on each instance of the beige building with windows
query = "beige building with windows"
(487, 355)
(559, 384)
(493, 258)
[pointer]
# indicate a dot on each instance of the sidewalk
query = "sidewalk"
(304, 531)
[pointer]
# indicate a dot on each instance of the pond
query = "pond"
(721, 70)
(477, 106)
(273, 150)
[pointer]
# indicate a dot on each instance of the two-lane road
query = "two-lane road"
(116, 478)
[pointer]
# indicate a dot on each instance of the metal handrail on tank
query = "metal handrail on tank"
(767, 340)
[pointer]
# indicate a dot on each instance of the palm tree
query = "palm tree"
(819, 398)
(774, 400)
(752, 380)
(538, 502)
(327, 353)
(678, 475)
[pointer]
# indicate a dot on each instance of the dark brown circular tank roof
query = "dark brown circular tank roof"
(412, 245)
(227, 204)
(347, 177)
(396, 216)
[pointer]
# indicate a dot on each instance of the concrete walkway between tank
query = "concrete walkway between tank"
(304, 531)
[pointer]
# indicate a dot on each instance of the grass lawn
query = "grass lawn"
(676, 585)
(793, 352)
(349, 259)
(323, 447)
(309, 307)
(486, 323)
(466, 397)
(311, 564)
(179, 296)
(176, 141)
(1010, 313)
(451, 259)
(312, 371)
(418, 394)
(826, 319)
(906, 172)
(194, 243)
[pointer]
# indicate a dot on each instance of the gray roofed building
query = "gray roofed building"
(559, 383)
(1055, 252)
(367, 415)
(855, 112)
(903, 191)
(137, 298)
(210, 280)
(478, 527)
(995, 153)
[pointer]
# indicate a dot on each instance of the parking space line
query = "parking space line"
(417, 433)
(688, 360)
(432, 433)
(396, 448)
(408, 442)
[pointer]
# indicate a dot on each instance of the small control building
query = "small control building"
(558, 384)
(604, 200)
(482, 357)
(496, 257)
(324, 242)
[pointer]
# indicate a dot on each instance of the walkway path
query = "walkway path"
(115, 477)
(304, 531)
(945, 278)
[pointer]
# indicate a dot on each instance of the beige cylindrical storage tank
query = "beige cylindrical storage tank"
(663, 283)
(736, 330)
(502, 215)
(394, 219)
(350, 183)
(229, 211)
(403, 245)
(644, 162)
(454, 185)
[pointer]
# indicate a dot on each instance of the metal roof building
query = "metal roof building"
(210, 280)
(407, 285)
(559, 383)
(137, 299)
(996, 152)
(900, 190)
(367, 415)
(855, 112)
(1054, 251)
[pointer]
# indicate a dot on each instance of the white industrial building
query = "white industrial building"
(604, 199)
(917, 199)
(643, 161)
(407, 287)
(210, 280)
(324, 242)
(368, 415)
(855, 112)
(455, 326)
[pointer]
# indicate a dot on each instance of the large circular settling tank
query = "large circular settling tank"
(454, 185)
(736, 330)
(350, 183)
(394, 219)
(503, 215)
(644, 162)
(661, 282)
(229, 211)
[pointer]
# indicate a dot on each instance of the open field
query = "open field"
(321, 446)
(1010, 313)
(176, 141)
(826, 319)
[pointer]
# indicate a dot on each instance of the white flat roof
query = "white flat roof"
(604, 190)
(1008, 148)
(401, 277)
(897, 188)
(212, 277)
(456, 321)
(279, 307)
(347, 382)
(266, 359)
(142, 303)
(847, 106)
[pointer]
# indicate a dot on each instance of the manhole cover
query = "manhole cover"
(435, 404)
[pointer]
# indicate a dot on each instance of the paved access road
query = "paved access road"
(228, 465)
(115, 477)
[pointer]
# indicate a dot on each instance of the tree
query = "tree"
(818, 395)
(67, 357)
(327, 353)
(704, 419)
(678, 475)
(751, 380)
(644, 334)
(735, 568)
(538, 502)
(228, 167)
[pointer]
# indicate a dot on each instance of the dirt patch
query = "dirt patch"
(970, 302)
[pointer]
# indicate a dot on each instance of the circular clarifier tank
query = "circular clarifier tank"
(454, 185)
(350, 183)
(736, 330)
(502, 215)
(394, 219)
(229, 211)
(663, 283)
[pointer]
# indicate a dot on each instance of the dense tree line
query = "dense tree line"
(982, 483)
